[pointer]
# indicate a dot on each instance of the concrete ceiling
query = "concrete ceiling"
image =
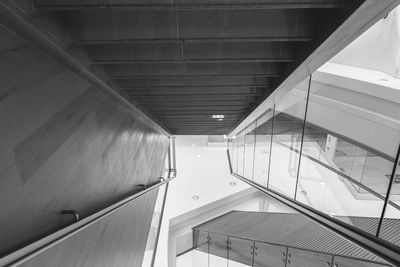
(183, 61)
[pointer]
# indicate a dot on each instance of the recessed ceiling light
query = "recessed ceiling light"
(217, 116)
(198, 155)
(195, 197)
(232, 183)
(220, 119)
(383, 79)
(193, 145)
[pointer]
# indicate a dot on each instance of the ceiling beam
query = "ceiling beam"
(195, 69)
(198, 91)
(210, 76)
(134, 87)
(91, 25)
(180, 98)
(214, 103)
(168, 61)
(190, 51)
(197, 82)
(182, 5)
(156, 109)
(198, 112)
(180, 40)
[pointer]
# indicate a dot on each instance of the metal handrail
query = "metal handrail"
(375, 245)
(28, 252)
(22, 255)
(291, 247)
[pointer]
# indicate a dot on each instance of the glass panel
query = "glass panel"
(249, 151)
(267, 255)
(348, 150)
(349, 262)
(154, 227)
(234, 143)
(286, 140)
(240, 252)
(193, 258)
(336, 195)
(298, 257)
(218, 253)
(240, 159)
(391, 222)
(262, 147)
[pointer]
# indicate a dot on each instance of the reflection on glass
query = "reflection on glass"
(233, 148)
(269, 255)
(333, 194)
(154, 227)
(347, 160)
(249, 151)
(286, 140)
(240, 252)
(229, 251)
(218, 252)
(240, 157)
(262, 147)
(193, 258)
(345, 145)
(391, 221)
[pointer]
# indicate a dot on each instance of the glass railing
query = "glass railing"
(332, 142)
(217, 250)
(331, 145)
(333, 166)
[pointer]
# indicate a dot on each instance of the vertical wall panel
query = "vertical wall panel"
(63, 145)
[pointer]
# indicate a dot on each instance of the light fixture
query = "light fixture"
(220, 119)
(217, 116)
(195, 197)
(383, 79)
(198, 155)
(193, 145)
(232, 183)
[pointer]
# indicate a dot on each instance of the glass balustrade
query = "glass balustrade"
(331, 142)
(218, 250)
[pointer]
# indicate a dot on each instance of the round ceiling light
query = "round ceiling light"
(232, 183)
(195, 197)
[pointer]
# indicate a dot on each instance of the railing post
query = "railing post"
(387, 199)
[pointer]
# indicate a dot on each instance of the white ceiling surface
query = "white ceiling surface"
(202, 171)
